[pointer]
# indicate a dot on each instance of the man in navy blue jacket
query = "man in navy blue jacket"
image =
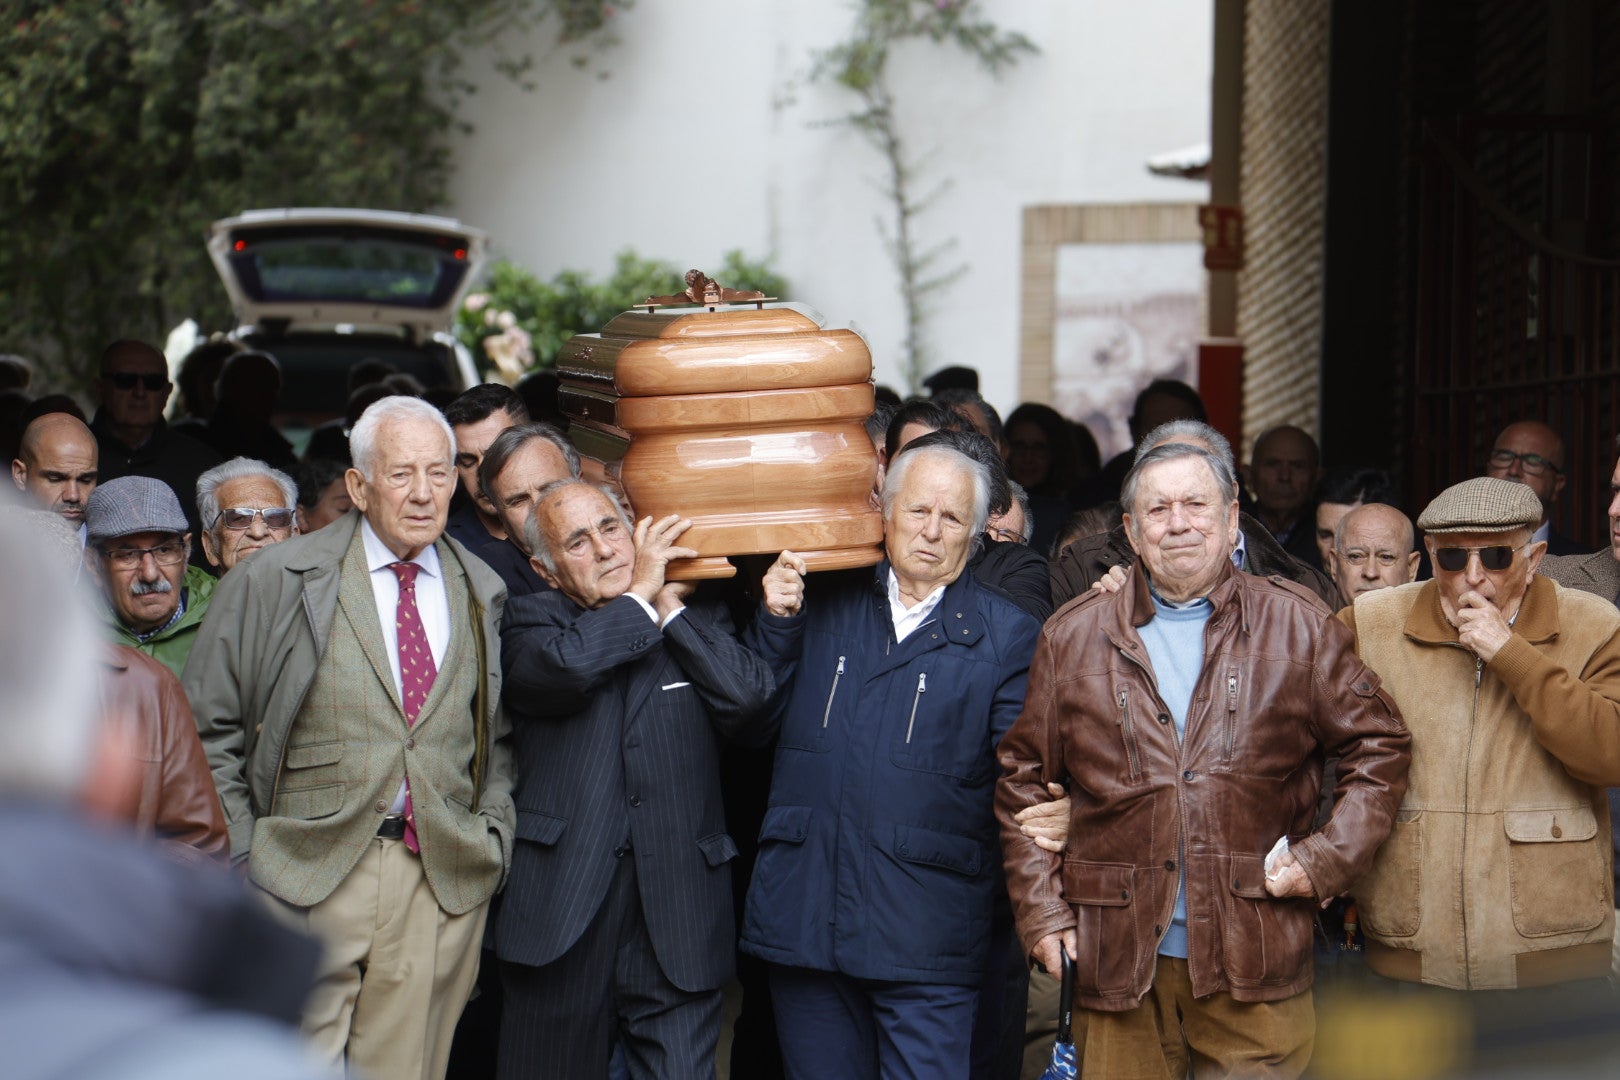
(878, 856)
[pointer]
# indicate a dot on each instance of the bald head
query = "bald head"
(56, 465)
(1532, 454)
(1373, 548)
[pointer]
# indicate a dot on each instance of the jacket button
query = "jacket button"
(410, 744)
(1170, 864)
(381, 807)
(619, 853)
(1236, 886)
(1362, 688)
(635, 800)
(1124, 894)
(1164, 718)
(1157, 929)
(1188, 775)
(1557, 832)
(958, 614)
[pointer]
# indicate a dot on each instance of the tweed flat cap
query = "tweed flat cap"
(1483, 504)
(130, 505)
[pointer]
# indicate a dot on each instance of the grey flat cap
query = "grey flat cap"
(1481, 505)
(130, 505)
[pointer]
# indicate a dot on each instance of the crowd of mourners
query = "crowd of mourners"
(437, 770)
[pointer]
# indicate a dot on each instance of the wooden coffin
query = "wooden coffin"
(747, 420)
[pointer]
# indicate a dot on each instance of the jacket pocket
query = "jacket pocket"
(928, 890)
(1103, 896)
(539, 828)
(718, 848)
(1390, 898)
(309, 755)
(1556, 870)
(309, 803)
(1267, 940)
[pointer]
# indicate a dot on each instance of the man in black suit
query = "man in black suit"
(617, 920)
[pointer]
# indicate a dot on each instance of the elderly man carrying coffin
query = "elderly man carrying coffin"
(1190, 713)
(871, 898)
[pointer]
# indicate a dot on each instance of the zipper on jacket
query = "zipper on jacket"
(922, 685)
(839, 674)
(1231, 714)
(1130, 734)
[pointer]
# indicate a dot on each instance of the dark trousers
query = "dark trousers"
(562, 1019)
(831, 1025)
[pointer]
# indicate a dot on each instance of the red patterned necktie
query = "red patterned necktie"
(416, 669)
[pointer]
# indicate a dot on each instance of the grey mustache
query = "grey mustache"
(141, 588)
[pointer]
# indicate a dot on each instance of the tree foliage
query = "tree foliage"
(521, 322)
(126, 126)
(860, 64)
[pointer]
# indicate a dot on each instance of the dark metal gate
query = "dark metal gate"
(1514, 321)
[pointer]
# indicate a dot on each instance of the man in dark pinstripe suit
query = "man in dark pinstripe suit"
(617, 922)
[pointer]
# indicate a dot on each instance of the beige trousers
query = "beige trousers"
(1219, 1036)
(396, 969)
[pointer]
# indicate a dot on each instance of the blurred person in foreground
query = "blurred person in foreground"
(1497, 876)
(347, 692)
(872, 895)
(1190, 713)
(136, 551)
(118, 960)
(245, 506)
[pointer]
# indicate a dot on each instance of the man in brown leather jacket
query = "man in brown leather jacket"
(1190, 713)
(1083, 563)
(176, 799)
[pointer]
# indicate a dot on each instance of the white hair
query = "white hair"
(209, 483)
(896, 478)
(539, 543)
(363, 437)
(48, 723)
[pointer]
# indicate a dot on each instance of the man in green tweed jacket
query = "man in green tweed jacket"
(347, 687)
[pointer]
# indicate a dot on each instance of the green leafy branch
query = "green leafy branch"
(861, 65)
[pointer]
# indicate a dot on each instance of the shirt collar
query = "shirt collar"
(1240, 552)
(379, 557)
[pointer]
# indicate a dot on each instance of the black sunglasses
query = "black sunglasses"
(126, 380)
(1495, 557)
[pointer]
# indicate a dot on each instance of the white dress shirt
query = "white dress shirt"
(908, 619)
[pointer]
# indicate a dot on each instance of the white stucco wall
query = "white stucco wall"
(703, 137)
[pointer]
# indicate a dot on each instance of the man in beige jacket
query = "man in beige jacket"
(347, 691)
(1497, 874)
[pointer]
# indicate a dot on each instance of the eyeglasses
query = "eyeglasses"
(237, 518)
(1495, 557)
(1534, 464)
(126, 380)
(164, 554)
(1006, 536)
